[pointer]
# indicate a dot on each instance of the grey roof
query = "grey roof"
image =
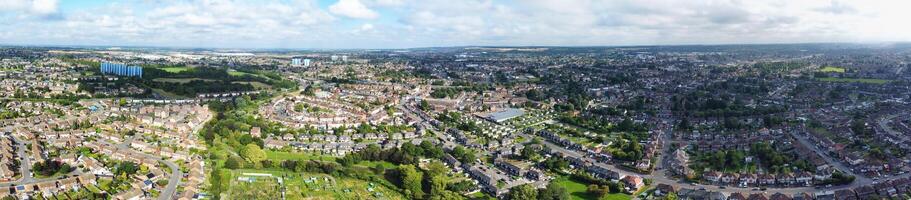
(506, 114)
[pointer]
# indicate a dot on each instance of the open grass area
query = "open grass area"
(179, 80)
(304, 186)
(578, 190)
(255, 84)
(321, 186)
(237, 73)
(279, 155)
(175, 69)
(855, 80)
(617, 197)
(372, 164)
(166, 93)
(832, 69)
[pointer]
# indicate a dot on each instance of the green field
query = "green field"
(855, 80)
(306, 186)
(280, 156)
(166, 94)
(175, 69)
(180, 80)
(373, 164)
(256, 84)
(237, 73)
(578, 190)
(832, 69)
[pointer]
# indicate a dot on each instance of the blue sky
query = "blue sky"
(328, 24)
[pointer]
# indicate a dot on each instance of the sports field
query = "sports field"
(832, 69)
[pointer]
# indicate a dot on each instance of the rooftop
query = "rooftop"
(505, 114)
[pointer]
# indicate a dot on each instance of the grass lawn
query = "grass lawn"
(166, 93)
(832, 69)
(578, 190)
(255, 84)
(93, 189)
(477, 195)
(175, 69)
(855, 80)
(386, 165)
(280, 155)
(618, 196)
(179, 80)
(307, 186)
(237, 73)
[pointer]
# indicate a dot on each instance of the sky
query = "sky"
(373, 24)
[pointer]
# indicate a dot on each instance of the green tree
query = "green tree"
(411, 181)
(253, 154)
(431, 150)
(596, 190)
(553, 192)
(234, 162)
(447, 195)
(425, 106)
(671, 196)
(437, 185)
(309, 90)
(530, 154)
(436, 168)
(522, 192)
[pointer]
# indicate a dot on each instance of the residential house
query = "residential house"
(865, 192)
(757, 196)
(780, 196)
(845, 194)
(632, 182)
(729, 178)
(737, 196)
(712, 176)
(664, 189)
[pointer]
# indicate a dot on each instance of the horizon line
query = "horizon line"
(4, 45)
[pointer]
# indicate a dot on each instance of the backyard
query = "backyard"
(579, 190)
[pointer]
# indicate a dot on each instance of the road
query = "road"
(858, 179)
(25, 168)
(884, 125)
(662, 176)
(25, 162)
(174, 180)
(33, 180)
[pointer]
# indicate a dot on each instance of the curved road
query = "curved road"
(176, 174)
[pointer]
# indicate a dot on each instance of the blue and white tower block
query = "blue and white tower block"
(121, 70)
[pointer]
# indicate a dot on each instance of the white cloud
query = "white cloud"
(44, 7)
(388, 2)
(353, 9)
(366, 27)
(29, 7)
(303, 24)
